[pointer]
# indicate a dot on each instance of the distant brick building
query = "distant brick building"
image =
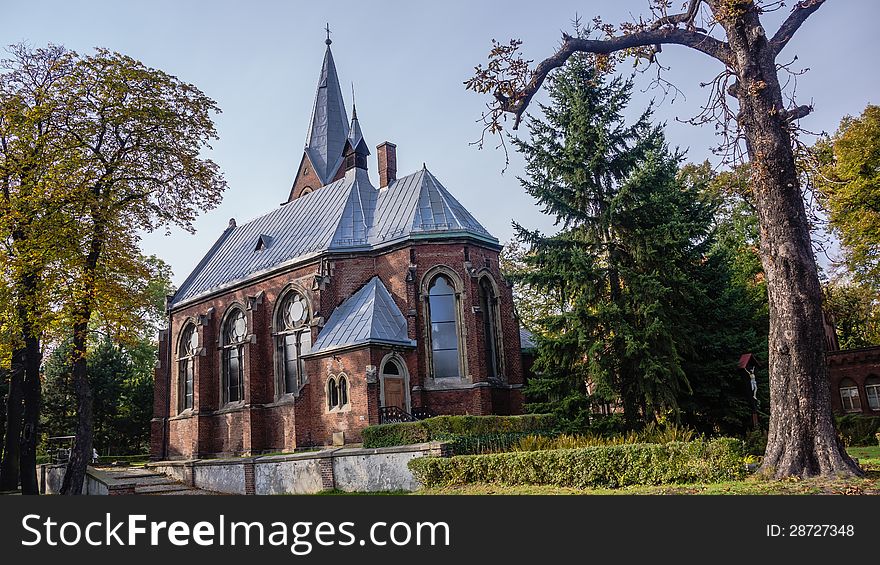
(348, 305)
(855, 380)
(854, 375)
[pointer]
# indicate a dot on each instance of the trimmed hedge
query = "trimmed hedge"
(602, 466)
(454, 427)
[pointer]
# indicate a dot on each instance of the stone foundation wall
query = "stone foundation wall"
(348, 469)
(95, 483)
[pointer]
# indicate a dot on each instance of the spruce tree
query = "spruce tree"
(624, 263)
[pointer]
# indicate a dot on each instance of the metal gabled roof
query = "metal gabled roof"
(418, 204)
(368, 316)
(347, 215)
(328, 128)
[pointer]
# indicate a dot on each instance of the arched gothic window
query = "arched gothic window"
(186, 365)
(293, 340)
(332, 394)
(849, 396)
(444, 328)
(234, 336)
(337, 392)
(343, 391)
(488, 302)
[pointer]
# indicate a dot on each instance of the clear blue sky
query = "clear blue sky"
(260, 61)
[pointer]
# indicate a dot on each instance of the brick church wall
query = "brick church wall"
(263, 422)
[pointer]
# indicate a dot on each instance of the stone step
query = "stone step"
(130, 472)
(144, 481)
(161, 488)
(148, 481)
(188, 492)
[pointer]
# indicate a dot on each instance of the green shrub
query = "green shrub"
(858, 431)
(598, 466)
(756, 442)
(651, 433)
(452, 428)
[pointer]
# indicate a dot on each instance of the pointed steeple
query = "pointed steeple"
(328, 128)
(356, 136)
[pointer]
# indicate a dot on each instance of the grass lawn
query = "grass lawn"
(869, 459)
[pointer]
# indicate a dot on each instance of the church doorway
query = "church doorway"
(394, 381)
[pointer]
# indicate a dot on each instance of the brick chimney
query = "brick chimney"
(387, 163)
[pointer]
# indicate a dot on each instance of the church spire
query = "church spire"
(328, 128)
(355, 135)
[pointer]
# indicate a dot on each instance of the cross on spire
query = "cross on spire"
(328, 41)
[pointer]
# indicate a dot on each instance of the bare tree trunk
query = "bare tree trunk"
(9, 466)
(802, 438)
(81, 453)
(31, 388)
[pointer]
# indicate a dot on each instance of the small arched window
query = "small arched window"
(343, 391)
(186, 365)
(849, 396)
(872, 391)
(332, 394)
(293, 340)
(234, 335)
(444, 328)
(488, 303)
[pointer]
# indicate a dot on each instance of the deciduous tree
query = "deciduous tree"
(138, 135)
(33, 229)
(802, 438)
(849, 181)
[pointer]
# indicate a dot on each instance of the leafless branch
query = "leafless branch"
(646, 38)
(687, 17)
(799, 14)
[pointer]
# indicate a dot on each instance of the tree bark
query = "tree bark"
(81, 453)
(9, 466)
(31, 388)
(802, 438)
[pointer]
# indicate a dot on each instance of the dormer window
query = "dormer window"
(263, 242)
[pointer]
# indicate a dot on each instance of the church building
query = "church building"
(350, 305)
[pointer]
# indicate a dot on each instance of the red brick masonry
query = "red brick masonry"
(265, 421)
(859, 367)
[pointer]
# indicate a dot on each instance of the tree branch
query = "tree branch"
(801, 11)
(693, 39)
(687, 17)
(797, 113)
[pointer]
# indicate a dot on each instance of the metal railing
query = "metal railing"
(395, 415)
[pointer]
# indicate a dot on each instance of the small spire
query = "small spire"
(232, 222)
(328, 41)
(354, 110)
